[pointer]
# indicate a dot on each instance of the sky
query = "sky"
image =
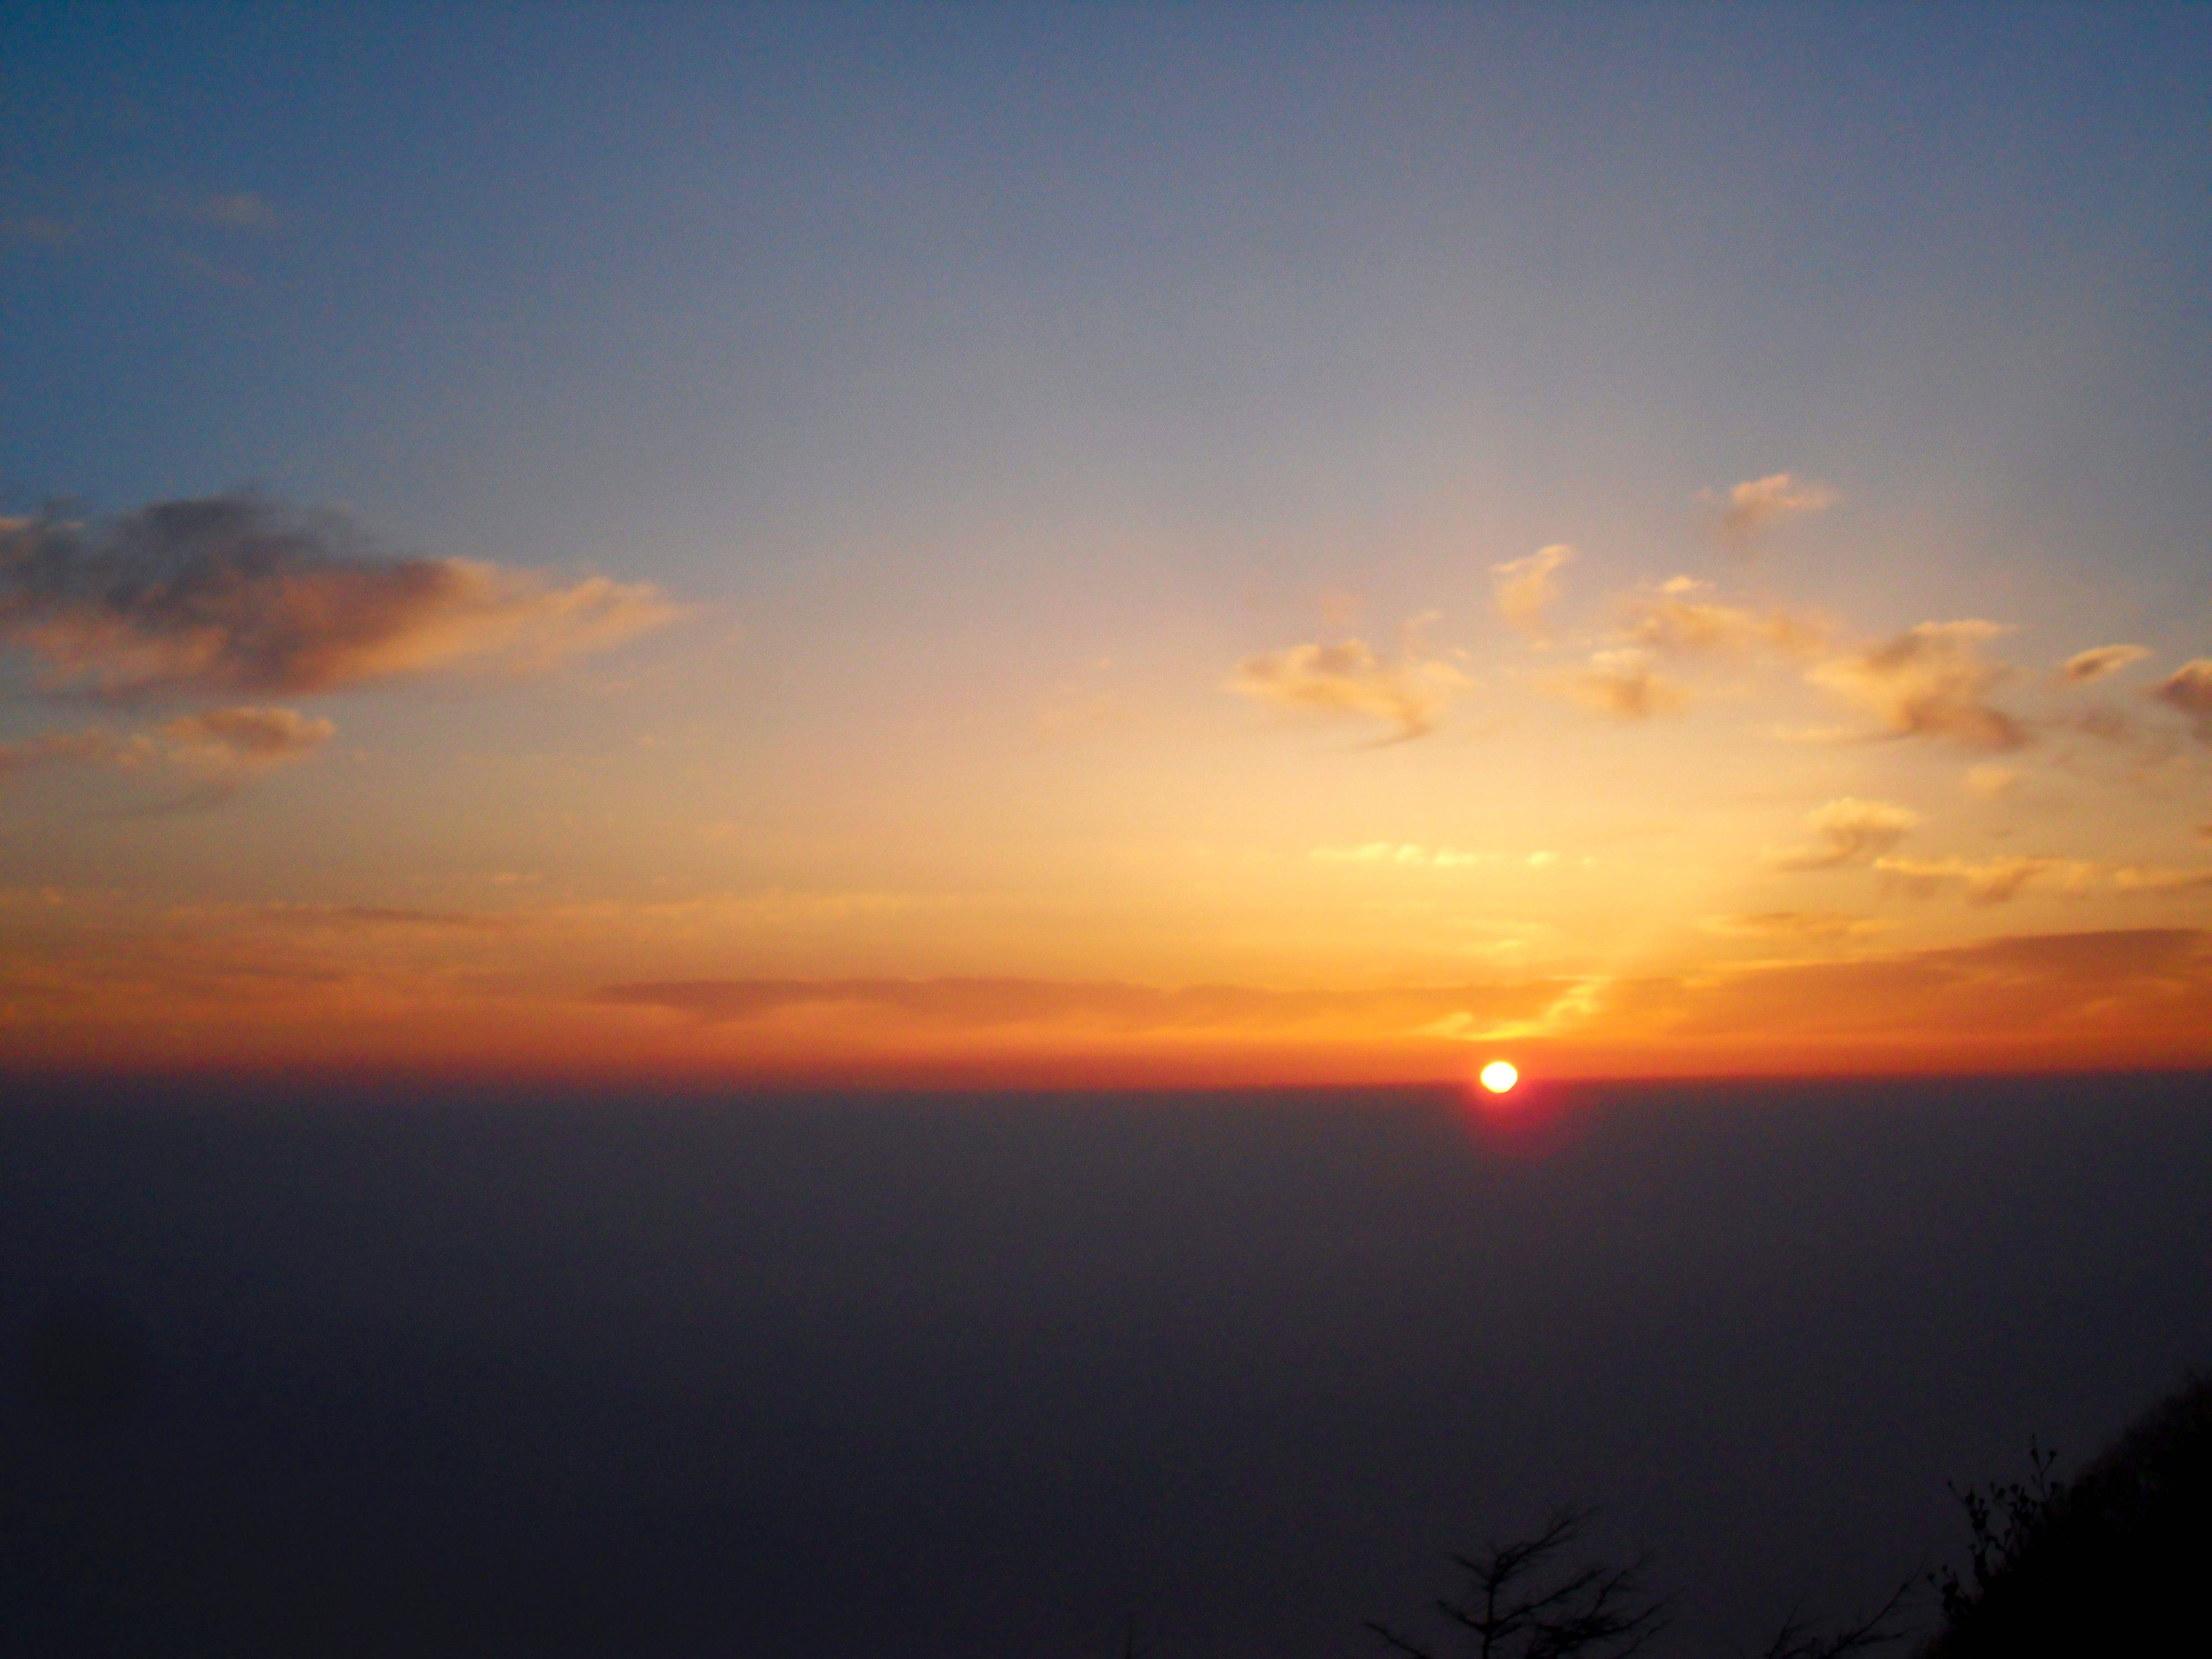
(1113, 544)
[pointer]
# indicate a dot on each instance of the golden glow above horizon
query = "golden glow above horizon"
(942, 600)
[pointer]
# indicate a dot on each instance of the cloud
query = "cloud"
(220, 748)
(232, 593)
(2086, 667)
(1524, 589)
(1622, 685)
(1790, 924)
(1988, 782)
(1348, 678)
(97, 748)
(1929, 681)
(978, 1004)
(38, 231)
(2092, 996)
(235, 210)
(2131, 878)
(1850, 831)
(1403, 855)
(1988, 881)
(1759, 504)
(249, 737)
(2189, 689)
(1673, 618)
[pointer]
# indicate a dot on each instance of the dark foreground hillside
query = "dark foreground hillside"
(2110, 1562)
(540, 1376)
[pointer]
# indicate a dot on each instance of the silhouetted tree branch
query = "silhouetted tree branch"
(1798, 1640)
(1518, 1602)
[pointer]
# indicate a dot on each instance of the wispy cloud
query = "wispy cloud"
(1679, 617)
(1404, 855)
(2189, 689)
(1347, 677)
(1525, 589)
(2087, 667)
(1759, 504)
(1989, 780)
(233, 594)
(1987, 881)
(1847, 831)
(40, 231)
(233, 211)
(1999, 879)
(216, 749)
(973, 1004)
(1623, 685)
(1930, 681)
(1791, 924)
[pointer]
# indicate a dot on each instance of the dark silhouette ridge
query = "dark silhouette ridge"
(2111, 1561)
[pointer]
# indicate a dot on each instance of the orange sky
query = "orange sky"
(1328, 546)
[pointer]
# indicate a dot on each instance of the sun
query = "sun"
(1499, 1076)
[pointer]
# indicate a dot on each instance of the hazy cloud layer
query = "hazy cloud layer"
(2086, 667)
(2189, 689)
(1929, 681)
(1407, 855)
(1524, 588)
(1790, 924)
(1759, 504)
(1847, 831)
(982, 1003)
(1347, 677)
(233, 594)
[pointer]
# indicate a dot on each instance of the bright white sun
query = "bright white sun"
(1499, 1076)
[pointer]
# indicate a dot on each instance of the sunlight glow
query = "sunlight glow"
(1499, 1076)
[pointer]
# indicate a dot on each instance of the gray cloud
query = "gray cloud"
(234, 210)
(233, 593)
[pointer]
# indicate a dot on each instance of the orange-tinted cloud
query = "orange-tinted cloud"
(972, 1004)
(2086, 667)
(1677, 617)
(1929, 681)
(1524, 588)
(220, 745)
(1622, 685)
(1347, 677)
(1759, 504)
(1790, 924)
(232, 593)
(1849, 832)
(1988, 881)
(2189, 689)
